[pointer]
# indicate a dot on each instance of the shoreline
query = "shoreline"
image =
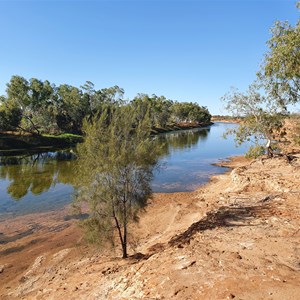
(63, 218)
(12, 144)
(223, 163)
(243, 206)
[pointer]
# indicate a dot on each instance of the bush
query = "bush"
(255, 151)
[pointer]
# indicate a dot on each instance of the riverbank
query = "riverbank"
(15, 142)
(181, 126)
(226, 120)
(236, 237)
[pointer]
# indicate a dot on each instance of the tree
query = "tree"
(159, 108)
(42, 106)
(198, 113)
(10, 116)
(72, 107)
(112, 95)
(115, 165)
(32, 98)
(262, 119)
(280, 71)
(264, 105)
(192, 112)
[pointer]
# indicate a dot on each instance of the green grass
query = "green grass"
(63, 136)
(8, 142)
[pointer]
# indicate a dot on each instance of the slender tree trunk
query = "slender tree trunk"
(269, 148)
(123, 243)
(23, 129)
(33, 125)
(124, 246)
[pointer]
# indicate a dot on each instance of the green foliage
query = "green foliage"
(46, 108)
(94, 228)
(262, 121)
(264, 105)
(159, 109)
(190, 112)
(255, 151)
(71, 108)
(33, 99)
(115, 165)
(10, 115)
(280, 71)
(67, 138)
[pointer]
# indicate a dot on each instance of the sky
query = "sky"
(185, 50)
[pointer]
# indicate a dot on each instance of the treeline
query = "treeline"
(225, 117)
(37, 106)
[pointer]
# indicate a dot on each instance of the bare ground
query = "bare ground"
(237, 237)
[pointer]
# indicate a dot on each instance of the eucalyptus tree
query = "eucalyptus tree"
(10, 115)
(158, 106)
(72, 107)
(264, 105)
(142, 106)
(280, 71)
(42, 95)
(18, 96)
(31, 98)
(115, 165)
(89, 96)
(161, 110)
(111, 95)
(190, 112)
(197, 113)
(262, 119)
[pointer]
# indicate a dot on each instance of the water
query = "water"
(192, 154)
(42, 182)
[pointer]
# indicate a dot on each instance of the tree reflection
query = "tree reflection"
(184, 139)
(36, 173)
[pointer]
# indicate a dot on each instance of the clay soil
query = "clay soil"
(238, 237)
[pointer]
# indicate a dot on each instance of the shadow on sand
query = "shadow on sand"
(225, 216)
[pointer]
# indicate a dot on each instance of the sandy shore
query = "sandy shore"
(236, 237)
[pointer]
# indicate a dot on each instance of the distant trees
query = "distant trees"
(31, 98)
(71, 108)
(190, 112)
(115, 166)
(41, 107)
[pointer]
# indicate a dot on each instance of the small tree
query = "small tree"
(262, 119)
(115, 167)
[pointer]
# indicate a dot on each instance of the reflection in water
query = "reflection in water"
(184, 139)
(44, 181)
(36, 173)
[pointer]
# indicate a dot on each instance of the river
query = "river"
(43, 181)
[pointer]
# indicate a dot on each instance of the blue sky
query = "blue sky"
(184, 50)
